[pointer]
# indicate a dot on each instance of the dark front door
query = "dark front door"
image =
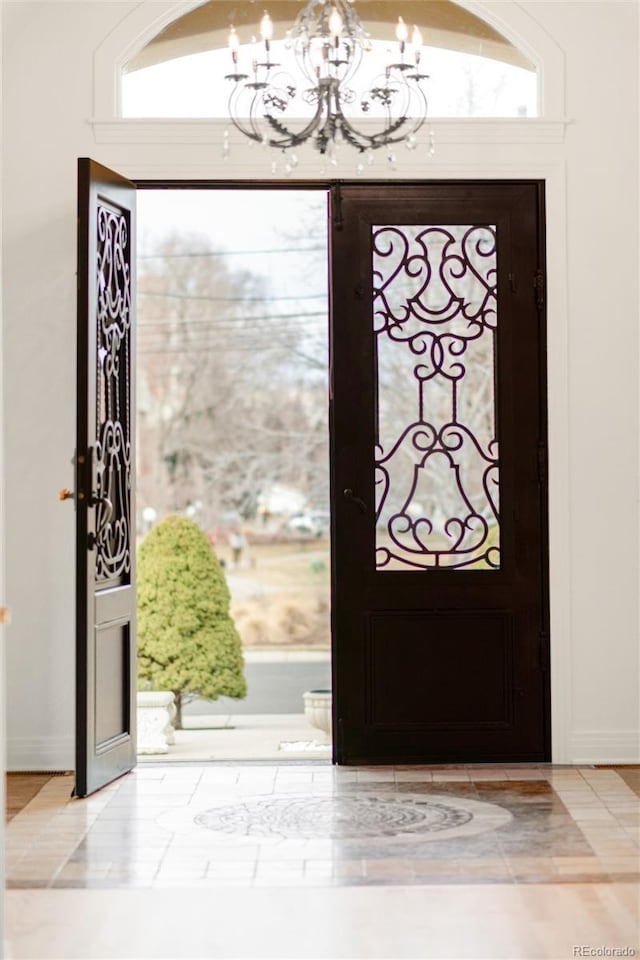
(105, 516)
(439, 482)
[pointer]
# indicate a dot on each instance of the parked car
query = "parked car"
(313, 523)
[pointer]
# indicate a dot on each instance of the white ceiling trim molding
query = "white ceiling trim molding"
(151, 16)
(471, 131)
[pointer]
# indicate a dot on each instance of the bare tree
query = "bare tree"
(229, 403)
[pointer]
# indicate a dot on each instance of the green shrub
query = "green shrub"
(187, 641)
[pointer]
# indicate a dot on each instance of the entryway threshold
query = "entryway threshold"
(238, 737)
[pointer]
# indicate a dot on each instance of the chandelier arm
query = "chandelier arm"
(245, 131)
(354, 65)
(362, 141)
(249, 131)
(390, 134)
(351, 134)
(397, 127)
(395, 131)
(295, 139)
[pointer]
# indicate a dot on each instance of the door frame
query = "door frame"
(332, 187)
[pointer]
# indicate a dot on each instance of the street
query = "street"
(274, 685)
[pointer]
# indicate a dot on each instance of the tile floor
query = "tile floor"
(524, 861)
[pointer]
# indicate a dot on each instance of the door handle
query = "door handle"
(348, 494)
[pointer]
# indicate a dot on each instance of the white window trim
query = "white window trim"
(151, 16)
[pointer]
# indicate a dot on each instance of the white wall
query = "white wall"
(47, 68)
(3, 630)
(591, 171)
(602, 201)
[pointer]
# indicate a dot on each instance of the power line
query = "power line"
(226, 335)
(228, 253)
(281, 335)
(208, 330)
(185, 322)
(216, 345)
(194, 348)
(196, 296)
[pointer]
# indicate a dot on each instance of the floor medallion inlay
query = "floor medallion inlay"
(352, 817)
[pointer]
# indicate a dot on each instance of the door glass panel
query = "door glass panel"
(436, 457)
(113, 414)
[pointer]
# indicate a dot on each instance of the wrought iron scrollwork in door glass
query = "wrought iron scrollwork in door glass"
(112, 462)
(437, 467)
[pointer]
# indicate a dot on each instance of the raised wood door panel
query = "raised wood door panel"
(105, 468)
(438, 438)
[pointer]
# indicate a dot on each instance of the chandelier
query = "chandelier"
(329, 44)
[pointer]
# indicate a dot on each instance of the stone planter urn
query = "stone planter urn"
(317, 709)
(156, 713)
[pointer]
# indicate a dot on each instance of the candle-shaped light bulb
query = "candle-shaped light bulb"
(335, 23)
(254, 54)
(402, 32)
(266, 27)
(416, 43)
(234, 44)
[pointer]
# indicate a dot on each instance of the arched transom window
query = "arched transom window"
(474, 71)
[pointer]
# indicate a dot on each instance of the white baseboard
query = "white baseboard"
(604, 746)
(585, 746)
(40, 753)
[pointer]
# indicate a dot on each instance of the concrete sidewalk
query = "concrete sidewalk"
(275, 736)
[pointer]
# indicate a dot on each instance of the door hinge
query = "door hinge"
(338, 222)
(539, 286)
(513, 282)
(82, 484)
(542, 461)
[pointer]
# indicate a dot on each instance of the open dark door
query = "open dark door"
(105, 465)
(439, 481)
